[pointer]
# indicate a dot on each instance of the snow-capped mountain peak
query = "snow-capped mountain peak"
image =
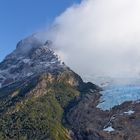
(30, 57)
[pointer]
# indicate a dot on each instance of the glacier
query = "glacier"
(118, 91)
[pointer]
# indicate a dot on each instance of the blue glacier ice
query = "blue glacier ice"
(118, 94)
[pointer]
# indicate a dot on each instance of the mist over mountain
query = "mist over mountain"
(99, 37)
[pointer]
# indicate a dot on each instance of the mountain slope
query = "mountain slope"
(36, 111)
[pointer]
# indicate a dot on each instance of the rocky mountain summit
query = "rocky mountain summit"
(43, 99)
(29, 58)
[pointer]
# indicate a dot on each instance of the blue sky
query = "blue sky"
(20, 18)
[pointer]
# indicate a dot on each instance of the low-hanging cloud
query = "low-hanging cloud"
(99, 37)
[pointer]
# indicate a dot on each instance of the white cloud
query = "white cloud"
(99, 37)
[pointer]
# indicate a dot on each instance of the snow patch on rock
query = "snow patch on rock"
(26, 60)
(129, 112)
(109, 129)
